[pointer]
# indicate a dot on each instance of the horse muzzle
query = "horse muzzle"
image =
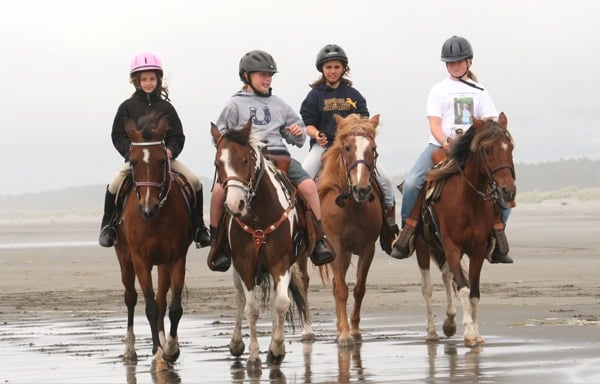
(361, 194)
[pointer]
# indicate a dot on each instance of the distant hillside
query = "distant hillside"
(552, 180)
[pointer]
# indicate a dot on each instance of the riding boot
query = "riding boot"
(500, 254)
(108, 232)
(218, 259)
(404, 246)
(323, 252)
(201, 235)
(389, 229)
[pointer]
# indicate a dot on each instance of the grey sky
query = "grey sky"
(65, 66)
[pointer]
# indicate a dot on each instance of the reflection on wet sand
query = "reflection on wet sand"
(456, 367)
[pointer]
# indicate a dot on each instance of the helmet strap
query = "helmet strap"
(248, 82)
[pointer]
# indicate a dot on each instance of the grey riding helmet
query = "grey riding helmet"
(456, 48)
(331, 52)
(257, 61)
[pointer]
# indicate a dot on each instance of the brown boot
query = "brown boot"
(389, 229)
(323, 252)
(500, 254)
(404, 245)
(218, 259)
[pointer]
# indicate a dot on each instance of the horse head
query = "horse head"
(355, 144)
(236, 165)
(494, 145)
(149, 163)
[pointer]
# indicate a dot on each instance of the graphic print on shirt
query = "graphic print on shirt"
(338, 104)
(266, 115)
(463, 111)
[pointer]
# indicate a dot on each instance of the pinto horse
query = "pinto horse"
(459, 206)
(264, 239)
(351, 208)
(154, 230)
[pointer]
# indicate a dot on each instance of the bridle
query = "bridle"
(492, 193)
(165, 184)
(345, 194)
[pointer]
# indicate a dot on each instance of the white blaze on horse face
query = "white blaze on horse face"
(235, 195)
(146, 158)
(362, 144)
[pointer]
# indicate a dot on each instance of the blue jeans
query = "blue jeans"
(416, 178)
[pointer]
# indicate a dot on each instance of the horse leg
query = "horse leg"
(426, 291)
(281, 304)
(307, 332)
(144, 275)
(449, 326)
(360, 287)
(236, 344)
(130, 296)
(474, 276)
(251, 310)
(340, 293)
(161, 359)
(171, 344)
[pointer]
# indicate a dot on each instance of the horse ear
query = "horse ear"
(163, 126)
(337, 118)
(247, 127)
(130, 128)
(375, 120)
(214, 131)
(502, 120)
(477, 124)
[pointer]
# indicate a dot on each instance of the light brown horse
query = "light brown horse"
(476, 180)
(352, 214)
(154, 230)
(263, 232)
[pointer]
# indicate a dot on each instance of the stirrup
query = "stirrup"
(202, 237)
(322, 254)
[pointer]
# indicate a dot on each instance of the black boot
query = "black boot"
(500, 254)
(108, 232)
(389, 229)
(218, 259)
(323, 252)
(404, 244)
(201, 235)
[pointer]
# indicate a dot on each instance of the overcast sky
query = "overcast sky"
(65, 70)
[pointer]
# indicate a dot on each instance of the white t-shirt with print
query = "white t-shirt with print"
(456, 104)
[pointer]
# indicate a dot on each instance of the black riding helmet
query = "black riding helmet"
(456, 48)
(331, 52)
(256, 61)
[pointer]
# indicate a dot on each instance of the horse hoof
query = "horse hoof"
(432, 337)
(309, 338)
(449, 328)
(130, 357)
(274, 360)
(357, 337)
(172, 357)
(236, 349)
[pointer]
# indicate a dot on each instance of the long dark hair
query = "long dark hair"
(161, 89)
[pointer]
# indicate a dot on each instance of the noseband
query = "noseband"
(165, 184)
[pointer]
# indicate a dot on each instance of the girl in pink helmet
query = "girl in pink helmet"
(150, 97)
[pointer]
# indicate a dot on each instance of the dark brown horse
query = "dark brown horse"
(154, 230)
(351, 213)
(459, 206)
(263, 230)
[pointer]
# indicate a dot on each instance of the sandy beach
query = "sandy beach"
(540, 316)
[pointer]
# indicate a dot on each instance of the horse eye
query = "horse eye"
(347, 148)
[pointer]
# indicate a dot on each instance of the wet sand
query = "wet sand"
(62, 317)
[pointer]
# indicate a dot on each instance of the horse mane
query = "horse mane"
(148, 123)
(465, 145)
(333, 170)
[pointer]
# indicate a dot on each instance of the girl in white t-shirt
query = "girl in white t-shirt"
(448, 103)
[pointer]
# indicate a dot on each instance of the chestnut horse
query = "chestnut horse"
(459, 206)
(262, 229)
(351, 213)
(154, 230)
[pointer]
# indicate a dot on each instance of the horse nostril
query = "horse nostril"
(241, 206)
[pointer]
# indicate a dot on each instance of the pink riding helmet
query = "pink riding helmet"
(145, 62)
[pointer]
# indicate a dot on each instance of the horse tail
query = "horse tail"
(325, 274)
(298, 294)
